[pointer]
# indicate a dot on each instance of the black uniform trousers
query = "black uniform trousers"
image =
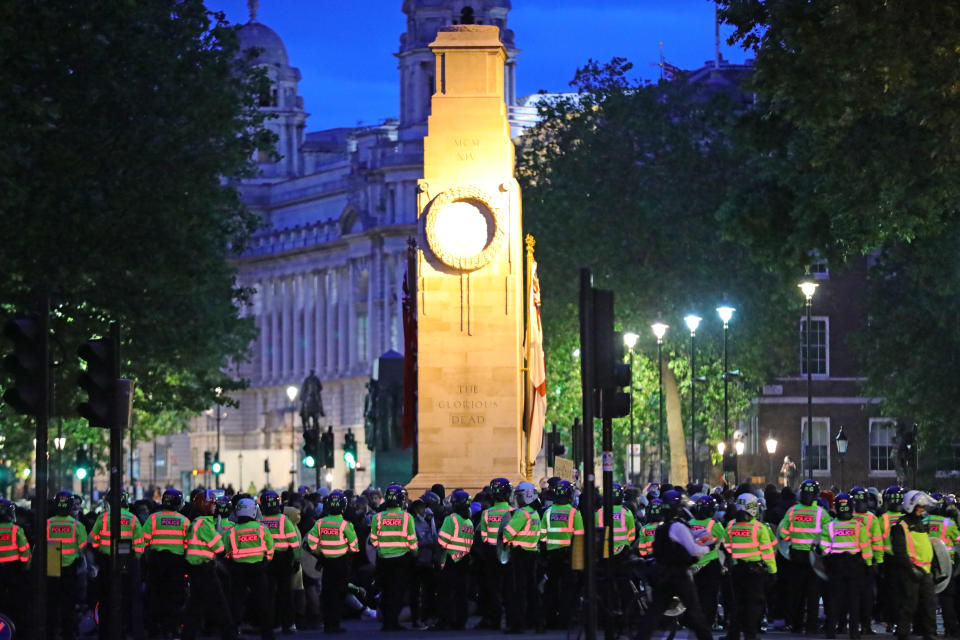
(280, 583)
(207, 600)
(166, 588)
(749, 581)
(803, 605)
(495, 578)
(250, 579)
(948, 603)
(523, 597)
(887, 597)
(558, 598)
(15, 584)
(454, 580)
(707, 580)
(62, 600)
(847, 578)
(916, 603)
(866, 596)
(392, 577)
(674, 581)
(336, 573)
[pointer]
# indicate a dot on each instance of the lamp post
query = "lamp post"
(808, 287)
(630, 341)
(692, 322)
(726, 313)
(738, 447)
(292, 395)
(660, 330)
(771, 450)
(240, 470)
(216, 477)
(842, 442)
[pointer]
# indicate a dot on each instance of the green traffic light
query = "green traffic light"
(216, 467)
(81, 473)
(309, 461)
(350, 460)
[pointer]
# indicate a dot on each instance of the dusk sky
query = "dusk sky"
(345, 48)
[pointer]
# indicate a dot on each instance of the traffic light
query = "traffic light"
(311, 447)
(610, 372)
(266, 465)
(216, 467)
(350, 450)
(83, 466)
(207, 460)
(326, 442)
(27, 364)
(99, 380)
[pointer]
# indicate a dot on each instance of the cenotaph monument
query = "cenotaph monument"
(469, 272)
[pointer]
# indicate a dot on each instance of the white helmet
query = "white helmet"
(246, 508)
(914, 498)
(526, 493)
(748, 502)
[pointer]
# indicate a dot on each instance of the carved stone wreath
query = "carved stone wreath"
(477, 196)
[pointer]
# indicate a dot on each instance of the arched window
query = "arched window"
(466, 15)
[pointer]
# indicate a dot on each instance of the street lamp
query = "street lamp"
(841, 440)
(660, 330)
(693, 321)
(218, 391)
(771, 450)
(630, 341)
(808, 287)
(738, 447)
(726, 313)
(292, 395)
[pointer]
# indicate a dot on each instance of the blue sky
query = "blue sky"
(344, 48)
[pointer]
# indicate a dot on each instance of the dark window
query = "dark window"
(819, 346)
(466, 15)
(881, 445)
(818, 454)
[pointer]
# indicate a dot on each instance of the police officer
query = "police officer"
(889, 576)
(708, 570)
(456, 538)
(71, 537)
(100, 541)
(846, 544)
(522, 534)
(751, 546)
(649, 528)
(494, 574)
(286, 557)
(15, 556)
(224, 513)
(624, 524)
(560, 523)
(675, 551)
(393, 535)
(911, 561)
(872, 524)
(801, 527)
(334, 540)
(941, 527)
(204, 544)
(164, 540)
(249, 550)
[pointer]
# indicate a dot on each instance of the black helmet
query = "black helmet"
(8, 510)
(676, 502)
(460, 503)
(224, 506)
(655, 510)
(432, 500)
(893, 497)
(269, 503)
(394, 497)
(617, 494)
(172, 499)
(124, 499)
(563, 494)
(809, 491)
(336, 503)
(501, 489)
(704, 507)
(63, 502)
(843, 505)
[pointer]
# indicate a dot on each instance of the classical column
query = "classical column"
(289, 311)
(333, 301)
(320, 318)
(309, 300)
(263, 320)
(276, 306)
(296, 343)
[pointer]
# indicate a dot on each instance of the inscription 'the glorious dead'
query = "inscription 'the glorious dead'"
(467, 406)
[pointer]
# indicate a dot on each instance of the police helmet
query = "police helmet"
(336, 503)
(704, 507)
(914, 498)
(269, 503)
(172, 499)
(893, 497)
(204, 503)
(655, 510)
(749, 504)
(563, 494)
(247, 508)
(843, 506)
(224, 506)
(432, 500)
(809, 491)
(460, 503)
(652, 490)
(124, 499)
(8, 510)
(63, 502)
(501, 489)
(617, 494)
(526, 494)
(678, 504)
(394, 497)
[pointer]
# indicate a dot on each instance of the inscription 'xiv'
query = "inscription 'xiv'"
(466, 148)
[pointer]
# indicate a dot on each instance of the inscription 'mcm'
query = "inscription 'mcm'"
(466, 148)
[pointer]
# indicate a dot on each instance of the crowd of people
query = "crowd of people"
(730, 560)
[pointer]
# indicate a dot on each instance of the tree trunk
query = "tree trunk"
(678, 442)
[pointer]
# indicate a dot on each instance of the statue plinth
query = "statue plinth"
(469, 272)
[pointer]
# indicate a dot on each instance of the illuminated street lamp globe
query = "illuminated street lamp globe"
(630, 339)
(771, 445)
(292, 393)
(721, 447)
(692, 322)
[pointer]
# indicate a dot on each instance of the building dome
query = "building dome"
(272, 50)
